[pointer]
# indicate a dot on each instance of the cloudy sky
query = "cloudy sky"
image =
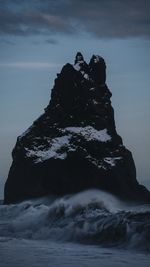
(38, 36)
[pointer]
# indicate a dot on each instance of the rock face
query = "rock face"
(74, 145)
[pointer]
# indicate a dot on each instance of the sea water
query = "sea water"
(92, 228)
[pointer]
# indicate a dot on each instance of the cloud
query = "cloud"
(51, 41)
(29, 65)
(6, 42)
(102, 18)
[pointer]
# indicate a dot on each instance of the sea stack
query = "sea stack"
(74, 145)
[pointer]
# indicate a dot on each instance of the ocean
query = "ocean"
(91, 228)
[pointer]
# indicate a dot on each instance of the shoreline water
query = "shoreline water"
(92, 228)
(46, 253)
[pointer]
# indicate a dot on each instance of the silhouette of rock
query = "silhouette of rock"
(74, 145)
(98, 69)
(79, 58)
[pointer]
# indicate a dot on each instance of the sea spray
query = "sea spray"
(90, 217)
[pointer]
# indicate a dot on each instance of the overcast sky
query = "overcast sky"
(38, 36)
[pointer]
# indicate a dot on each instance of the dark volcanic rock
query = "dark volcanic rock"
(74, 145)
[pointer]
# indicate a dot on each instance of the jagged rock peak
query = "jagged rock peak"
(97, 59)
(95, 71)
(74, 145)
(80, 64)
(79, 57)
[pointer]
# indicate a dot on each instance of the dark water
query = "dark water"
(88, 229)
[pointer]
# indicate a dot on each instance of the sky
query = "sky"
(37, 37)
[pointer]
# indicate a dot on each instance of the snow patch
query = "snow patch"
(112, 160)
(96, 162)
(58, 148)
(89, 133)
(86, 76)
(101, 164)
(95, 102)
(53, 151)
(77, 66)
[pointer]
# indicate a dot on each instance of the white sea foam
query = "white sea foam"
(89, 217)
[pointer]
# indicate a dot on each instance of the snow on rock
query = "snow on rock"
(95, 102)
(104, 162)
(86, 76)
(112, 160)
(89, 133)
(64, 152)
(97, 59)
(58, 147)
(77, 66)
(53, 151)
(96, 162)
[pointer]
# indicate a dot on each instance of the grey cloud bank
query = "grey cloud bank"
(105, 19)
(30, 65)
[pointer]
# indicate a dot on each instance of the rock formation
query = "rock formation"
(74, 145)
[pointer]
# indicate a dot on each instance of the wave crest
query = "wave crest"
(92, 217)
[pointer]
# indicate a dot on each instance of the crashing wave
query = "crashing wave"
(90, 217)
